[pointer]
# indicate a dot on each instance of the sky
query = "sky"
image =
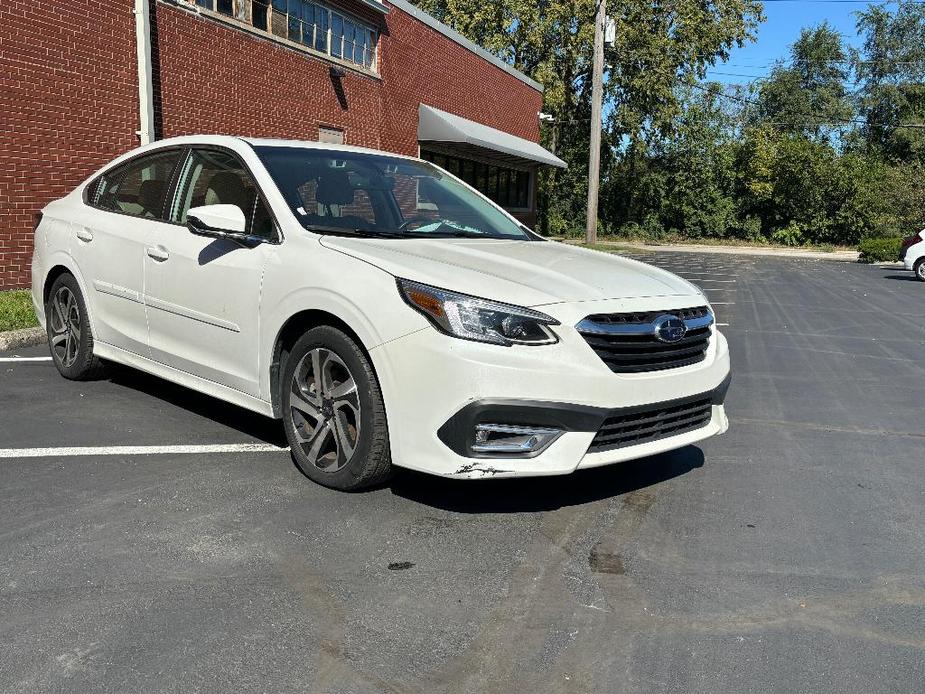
(782, 28)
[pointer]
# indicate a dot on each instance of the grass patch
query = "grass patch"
(16, 310)
(609, 247)
(617, 243)
(740, 243)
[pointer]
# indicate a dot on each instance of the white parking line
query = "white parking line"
(8, 359)
(67, 452)
(698, 279)
(722, 324)
(723, 303)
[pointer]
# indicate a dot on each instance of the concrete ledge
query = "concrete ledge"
(27, 337)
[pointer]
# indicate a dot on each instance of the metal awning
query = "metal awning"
(435, 125)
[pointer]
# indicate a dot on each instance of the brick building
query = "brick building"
(82, 81)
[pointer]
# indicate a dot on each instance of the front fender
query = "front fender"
(370, 306)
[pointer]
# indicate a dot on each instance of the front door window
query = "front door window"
(216, 177)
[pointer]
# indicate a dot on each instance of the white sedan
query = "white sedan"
(912, 254)
(388, 313)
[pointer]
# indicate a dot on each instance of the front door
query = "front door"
(202, 294)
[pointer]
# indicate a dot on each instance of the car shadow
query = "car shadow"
(904, 278)
(217, 249)
(511, 495)
(247, 422)
(532, 494)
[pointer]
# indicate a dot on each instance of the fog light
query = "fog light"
(512, 440)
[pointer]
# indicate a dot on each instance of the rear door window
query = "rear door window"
(138, 188)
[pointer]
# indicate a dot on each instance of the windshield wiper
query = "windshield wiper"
(346, 231)
(450, 230)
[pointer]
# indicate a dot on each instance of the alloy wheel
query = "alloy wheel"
(325, 409)
(65, 326)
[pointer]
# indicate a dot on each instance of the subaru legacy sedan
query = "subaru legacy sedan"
(388, 313)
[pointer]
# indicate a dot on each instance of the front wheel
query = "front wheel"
(919, 269)
(333, 412)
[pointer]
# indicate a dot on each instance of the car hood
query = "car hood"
(518, 272)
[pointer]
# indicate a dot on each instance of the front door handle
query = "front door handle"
(158, 253)
(84, 234)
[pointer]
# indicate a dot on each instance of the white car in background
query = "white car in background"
(912, 254)
(388, 313)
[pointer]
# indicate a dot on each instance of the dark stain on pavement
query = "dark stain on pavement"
(606, 562)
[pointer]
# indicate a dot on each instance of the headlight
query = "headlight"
(471, 318)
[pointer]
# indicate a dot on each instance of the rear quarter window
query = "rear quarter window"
(138, 187)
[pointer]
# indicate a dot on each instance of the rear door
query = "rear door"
(203, 294)
(126, 208)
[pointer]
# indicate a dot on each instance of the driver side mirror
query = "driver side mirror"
(219, 222)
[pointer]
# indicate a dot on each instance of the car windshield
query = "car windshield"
(355, 193)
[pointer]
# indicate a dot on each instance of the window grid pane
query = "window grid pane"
(322, 16)
(260, 14)
(308, 23)
(337, 35)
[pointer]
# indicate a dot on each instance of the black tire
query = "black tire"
(354, 452)
(70, 340)
(919, 269)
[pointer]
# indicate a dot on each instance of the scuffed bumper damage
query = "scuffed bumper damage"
(574, 419)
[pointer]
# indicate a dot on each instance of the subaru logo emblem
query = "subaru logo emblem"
(670, 328)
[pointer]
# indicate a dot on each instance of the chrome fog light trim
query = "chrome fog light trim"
(513, 440)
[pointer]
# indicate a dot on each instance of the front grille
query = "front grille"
(627, 342)
(652, 423)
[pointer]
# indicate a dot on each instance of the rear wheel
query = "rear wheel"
(68, 329)
(919, 269)
(333, 412)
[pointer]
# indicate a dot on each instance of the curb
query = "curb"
(834, 256)
(27, 337)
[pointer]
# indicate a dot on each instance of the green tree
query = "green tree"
(809, 96)
(658, 48)
(891, 71)
(700, 158)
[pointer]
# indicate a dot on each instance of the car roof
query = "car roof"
(272, 142)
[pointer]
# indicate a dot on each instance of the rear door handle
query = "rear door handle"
(84, 234)
(158, 253)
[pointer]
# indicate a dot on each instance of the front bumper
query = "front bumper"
(436, 387)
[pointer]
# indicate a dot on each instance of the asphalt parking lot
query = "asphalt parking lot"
(785, 556)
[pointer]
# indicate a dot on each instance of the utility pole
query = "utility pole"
(597, 97)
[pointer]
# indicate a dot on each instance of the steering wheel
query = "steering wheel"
(420, 219)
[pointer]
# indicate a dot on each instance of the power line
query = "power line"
(813, 118)
(736, 74)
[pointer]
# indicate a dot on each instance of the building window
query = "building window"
(310, 24)
(508, 187)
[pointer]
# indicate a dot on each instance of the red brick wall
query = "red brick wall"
(421, 65)
(216, 80)
(68, 104)
(68, 95)
(220, 80)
